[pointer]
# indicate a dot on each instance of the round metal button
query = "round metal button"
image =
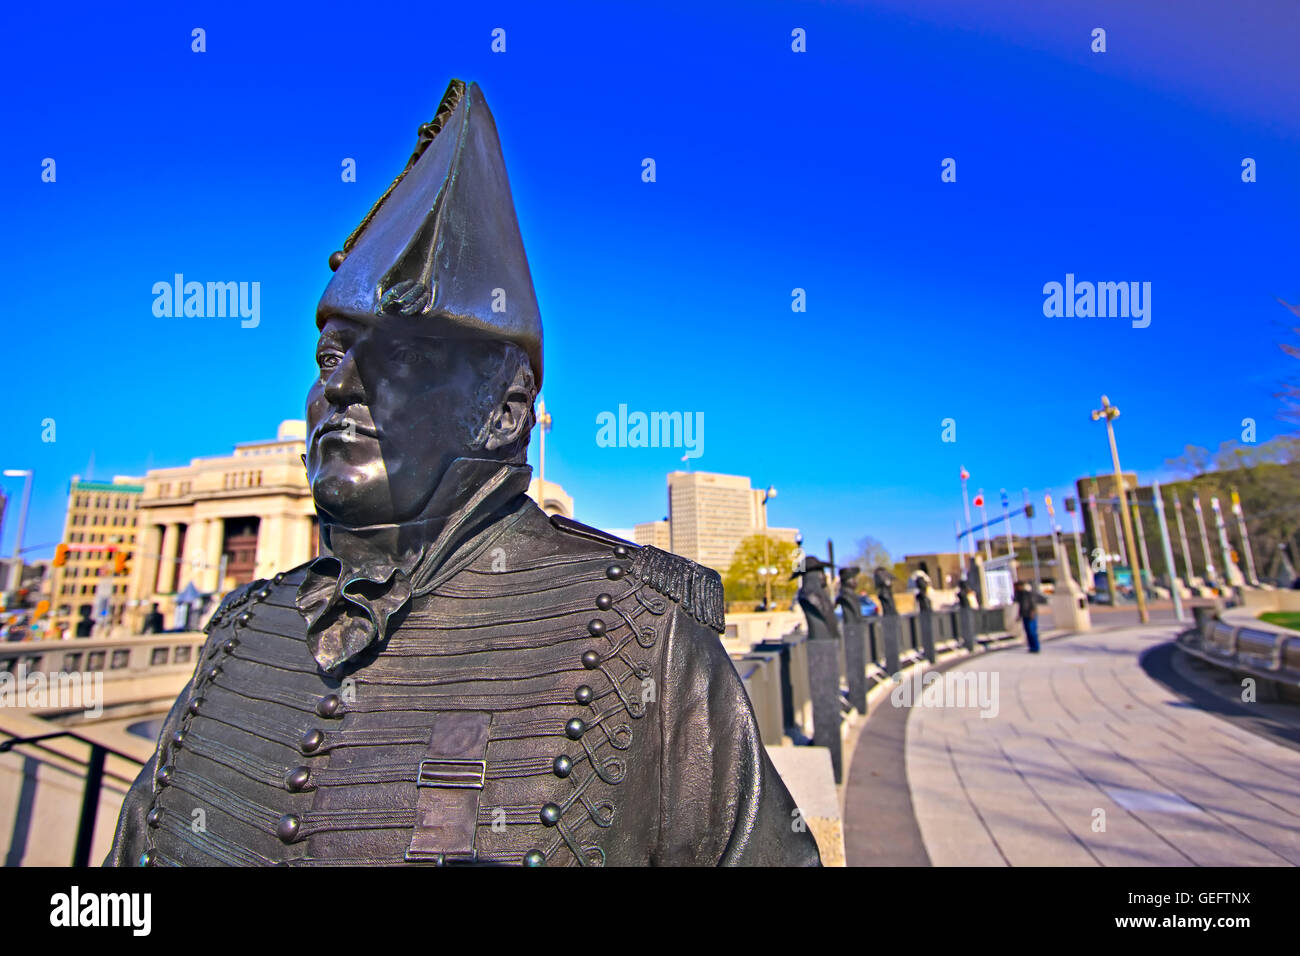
(590, 660)
(534, 858)
(154, 817)
(621, 551)
(287, 828)
(583, 694)
(550, 814)
(562, 766)
(604, 602)
(311, 741)
(195, 704)
(146, 858)
(230, 645)
(596, 627)
(614, 572)
(575, 728)
(178, 738)
(296, 779)
(329, 705)
(164, 775)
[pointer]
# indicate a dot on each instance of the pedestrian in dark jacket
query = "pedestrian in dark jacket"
(1027, 608)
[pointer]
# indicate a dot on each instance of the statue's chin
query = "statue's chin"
(351, 498)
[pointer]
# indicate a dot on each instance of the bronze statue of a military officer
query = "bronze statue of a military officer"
(458, 678)
(815, 600)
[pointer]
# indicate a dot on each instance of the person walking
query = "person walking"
(1027, 610)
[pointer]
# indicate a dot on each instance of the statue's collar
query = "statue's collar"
(366, 574)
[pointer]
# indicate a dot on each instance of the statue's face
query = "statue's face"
(392, 407)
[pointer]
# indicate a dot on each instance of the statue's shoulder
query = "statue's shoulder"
(233, 601)
(696, 588)
(245, 594)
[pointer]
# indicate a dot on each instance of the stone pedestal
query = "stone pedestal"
(890, 626)
(966, 625)
(1069, 604)
(824, 674)
(855, 664)
(925, 621)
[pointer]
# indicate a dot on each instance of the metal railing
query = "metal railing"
(93, 787)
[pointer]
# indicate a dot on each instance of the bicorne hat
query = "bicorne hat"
(442, 243)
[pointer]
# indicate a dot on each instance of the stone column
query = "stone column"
(297, 541)
(824, 675)
(208, 579)
(167, 559)
(271, 530)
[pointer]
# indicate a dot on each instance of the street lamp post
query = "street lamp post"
(767, 560)
(1109, 412)
(984, 517)
(543, 426)
(16, 572)
(965, 497)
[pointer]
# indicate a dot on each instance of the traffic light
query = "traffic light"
(1029, 511)
(61, 556)
(119, 563)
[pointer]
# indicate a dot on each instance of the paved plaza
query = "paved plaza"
(1089, 761)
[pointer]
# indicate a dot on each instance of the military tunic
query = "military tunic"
(562, 699)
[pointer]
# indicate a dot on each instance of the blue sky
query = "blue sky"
(775, 170)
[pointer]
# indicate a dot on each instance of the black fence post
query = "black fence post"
(89, 806)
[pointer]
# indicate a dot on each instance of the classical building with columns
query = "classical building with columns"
(220, 522)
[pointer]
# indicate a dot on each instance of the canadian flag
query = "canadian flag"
(964, 473)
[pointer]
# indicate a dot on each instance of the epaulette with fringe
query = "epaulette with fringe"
(698, 589)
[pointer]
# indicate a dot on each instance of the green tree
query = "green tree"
(743, 582)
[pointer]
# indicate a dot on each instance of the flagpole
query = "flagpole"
(965, 498)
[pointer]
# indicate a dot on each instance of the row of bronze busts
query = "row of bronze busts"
(819, 608)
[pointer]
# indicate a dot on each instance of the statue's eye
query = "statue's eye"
(407, 355)
(328, 359)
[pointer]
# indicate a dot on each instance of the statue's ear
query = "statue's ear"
(513, 414)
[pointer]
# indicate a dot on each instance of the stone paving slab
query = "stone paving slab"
(1091, 762)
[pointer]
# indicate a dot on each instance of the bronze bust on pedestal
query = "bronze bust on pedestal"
(458, 678)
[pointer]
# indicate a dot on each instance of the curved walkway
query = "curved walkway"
(1088, 762)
